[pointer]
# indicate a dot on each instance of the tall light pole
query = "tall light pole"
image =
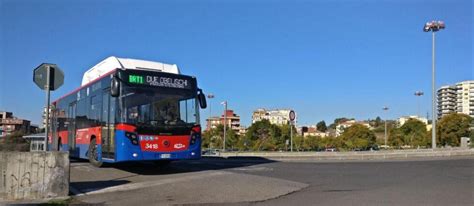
(433, 26)
(210, 96)
(418, 94)
(225, 122)
(385, 137)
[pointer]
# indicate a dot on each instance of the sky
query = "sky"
(324, 59)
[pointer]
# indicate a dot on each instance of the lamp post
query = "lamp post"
(210, 96)
(433, 26)
(225, 122)
(385, 137)
(418, 94)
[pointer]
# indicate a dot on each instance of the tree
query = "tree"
(321, 126)
(215, 138)
(262, 135)
(396, 138)
(358, 136)
(378, 122)
(412, 133)
(452, 127)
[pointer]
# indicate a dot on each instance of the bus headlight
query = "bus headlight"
(194, 138)
(133, 137)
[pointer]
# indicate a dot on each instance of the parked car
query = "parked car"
(330, 150)
(210, 152)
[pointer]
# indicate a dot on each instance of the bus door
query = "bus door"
(71, 128)
(108, 105)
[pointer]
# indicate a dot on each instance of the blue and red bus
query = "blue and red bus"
(138, 111)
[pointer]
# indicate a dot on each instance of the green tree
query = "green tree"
(357, 136)
(321, 126)
(396, 138)
(452, 127)
(215, 138)
(298, 143)
(313, 143)
(263, 135)
(378, 122)
(414, 132)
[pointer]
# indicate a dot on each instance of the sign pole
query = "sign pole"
(291, 135)
(292, 117)
(46, 129)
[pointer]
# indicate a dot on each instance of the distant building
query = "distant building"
(465, 97)
(403, 119)
(277, 116)
(458, 98)
(233, 121)
(446, 100)
(341, 127)
(312, 131)
(10, 124)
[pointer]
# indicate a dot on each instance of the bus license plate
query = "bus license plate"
(165, 156)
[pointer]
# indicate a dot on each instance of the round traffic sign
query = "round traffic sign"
(292, 115)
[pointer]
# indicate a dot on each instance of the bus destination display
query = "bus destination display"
(160, 81)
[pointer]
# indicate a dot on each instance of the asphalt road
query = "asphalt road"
(256, 181)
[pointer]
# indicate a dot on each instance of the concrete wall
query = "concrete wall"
(366, 155)
(33, 175)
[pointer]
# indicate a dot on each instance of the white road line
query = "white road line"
(139, 185)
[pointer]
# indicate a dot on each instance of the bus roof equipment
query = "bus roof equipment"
(113, 62)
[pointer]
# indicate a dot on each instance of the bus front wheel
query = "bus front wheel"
(94, 154)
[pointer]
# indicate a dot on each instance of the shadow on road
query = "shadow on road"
(97, 185)
(85, 182)
(184, 166)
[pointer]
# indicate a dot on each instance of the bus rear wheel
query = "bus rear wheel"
(93, 154)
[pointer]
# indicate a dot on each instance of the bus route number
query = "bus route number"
(151, 146)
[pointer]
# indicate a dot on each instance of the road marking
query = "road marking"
(134, 186)
(253, 169)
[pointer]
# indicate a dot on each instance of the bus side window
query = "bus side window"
(95, 109)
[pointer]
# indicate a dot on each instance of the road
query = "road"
(446, 181)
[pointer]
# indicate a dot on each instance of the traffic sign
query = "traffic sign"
(48, 77)
(292, 115)
(56, 76)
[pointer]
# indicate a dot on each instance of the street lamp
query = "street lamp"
(210, 96)
(385, 137)
(225, 122)
(433, 26)
(418, 94)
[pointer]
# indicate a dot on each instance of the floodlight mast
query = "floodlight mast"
(433, 26)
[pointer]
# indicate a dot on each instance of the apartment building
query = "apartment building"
(231, 119)
(465, 97)
(458, 98)
(10, 124)
(276, 116)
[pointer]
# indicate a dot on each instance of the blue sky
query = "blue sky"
(325, 59)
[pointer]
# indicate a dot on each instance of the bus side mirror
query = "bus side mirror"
(202, 100)
(114, 87)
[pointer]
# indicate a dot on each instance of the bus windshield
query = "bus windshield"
(150, 108)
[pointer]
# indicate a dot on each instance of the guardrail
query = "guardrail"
(362, 155)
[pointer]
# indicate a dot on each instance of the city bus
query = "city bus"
(129, 110)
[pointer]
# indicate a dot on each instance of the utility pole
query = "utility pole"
(385, 137)
(418, 94)
(210, 97)
(225, 123)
